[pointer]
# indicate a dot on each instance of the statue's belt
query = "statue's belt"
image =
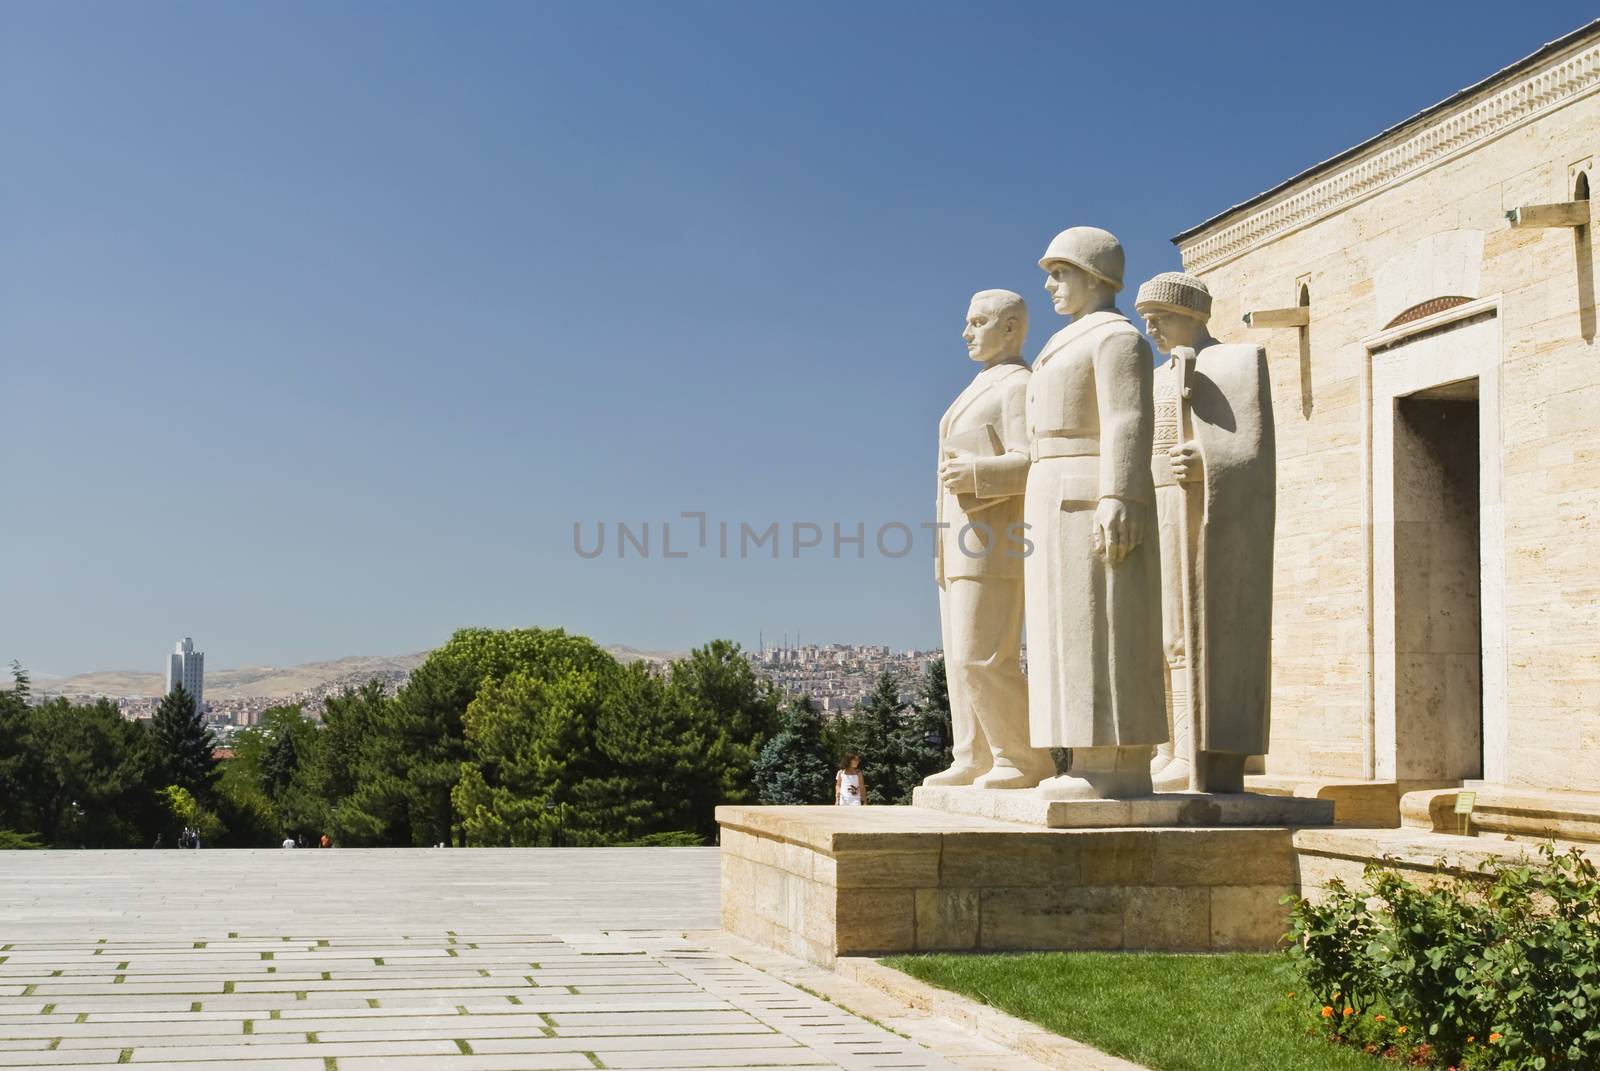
(1062, 444)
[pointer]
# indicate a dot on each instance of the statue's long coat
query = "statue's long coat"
(1093, 626)
(1230, 403)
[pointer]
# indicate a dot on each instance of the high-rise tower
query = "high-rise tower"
(187, 667)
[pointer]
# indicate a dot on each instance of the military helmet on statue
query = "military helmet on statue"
(1175, 291)
(1095, 251)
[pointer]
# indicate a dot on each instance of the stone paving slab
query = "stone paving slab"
(432, 960)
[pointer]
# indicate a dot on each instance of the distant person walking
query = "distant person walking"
(326, 842)
(850, 784)
(288, 842)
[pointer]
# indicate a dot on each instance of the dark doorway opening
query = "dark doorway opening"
(1438, 585)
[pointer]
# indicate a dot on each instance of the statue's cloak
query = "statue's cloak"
(1231, 408)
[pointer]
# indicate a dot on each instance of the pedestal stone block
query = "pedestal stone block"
(1179, 809)
(822, 882)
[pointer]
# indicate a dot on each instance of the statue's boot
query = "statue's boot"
(1102, 773)
(1165, 753)
(962, 773)
(1163, 759)
(1177, 774)
(1008, 774)
(1016, 765)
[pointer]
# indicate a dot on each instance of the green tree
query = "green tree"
(733, 712)
(282, 763)
(925, 738)
(796, 766)
(271, 785)
(877, 720)
(575, 748)
(538, 777)
(13, 721)
(358, 774)
(933, 704)
(183, 744)
(80, 776)
(424, 733)
(899, 742)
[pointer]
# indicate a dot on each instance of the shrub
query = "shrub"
(1331, 944)
(10, 840)
(1502, 973)
(672, 839)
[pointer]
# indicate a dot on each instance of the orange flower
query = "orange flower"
(1349, 1011)
(1495, 1037)
(1399, 1030)
(1291, 994)
(1378, 1018)
(1327, 1012)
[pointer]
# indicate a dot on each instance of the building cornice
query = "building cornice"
(1556, 75)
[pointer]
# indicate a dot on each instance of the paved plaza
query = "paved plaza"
(395, 960)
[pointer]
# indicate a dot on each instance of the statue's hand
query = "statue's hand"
(1186, 462)
(958, 476)
(1117, 528)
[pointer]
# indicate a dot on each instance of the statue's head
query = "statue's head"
(1083, 268)
(1176, 308)
(997, 322)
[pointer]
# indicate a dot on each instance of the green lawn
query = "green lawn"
(1171, 1013)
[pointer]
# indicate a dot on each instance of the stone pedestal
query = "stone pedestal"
(1184, 810)
(821, 882)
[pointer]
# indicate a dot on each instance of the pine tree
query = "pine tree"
(926, 736)
(796, 765)
(875, 733)
(182, 743)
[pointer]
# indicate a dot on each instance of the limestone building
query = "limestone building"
(1427, 300)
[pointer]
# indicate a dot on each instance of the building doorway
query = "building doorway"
(1438, 604)
(1437, 550)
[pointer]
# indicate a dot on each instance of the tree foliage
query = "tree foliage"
(183, 744)
(75, 776)
(578, 749)
(796, 766)
(500, 737)
(901, 739)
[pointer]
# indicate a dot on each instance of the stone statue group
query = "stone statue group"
(1125, 513)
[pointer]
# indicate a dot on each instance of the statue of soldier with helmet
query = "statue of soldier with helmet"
(1093, 581)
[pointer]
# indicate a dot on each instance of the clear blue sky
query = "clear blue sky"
(321, 324)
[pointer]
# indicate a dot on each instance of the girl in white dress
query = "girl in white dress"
(850, 784)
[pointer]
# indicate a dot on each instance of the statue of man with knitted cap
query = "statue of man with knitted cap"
(1214, 467)
(1093, 580)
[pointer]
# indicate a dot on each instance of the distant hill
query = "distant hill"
(272, 682)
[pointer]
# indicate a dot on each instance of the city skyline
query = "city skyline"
(834, 676)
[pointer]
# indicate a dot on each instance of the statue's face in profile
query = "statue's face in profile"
(1070, 287)
(988, 334)
(1168, 329)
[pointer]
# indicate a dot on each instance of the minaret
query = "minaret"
(187, 667)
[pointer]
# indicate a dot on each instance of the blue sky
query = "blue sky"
(322, 324)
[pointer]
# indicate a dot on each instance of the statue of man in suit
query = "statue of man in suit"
(1214, 464)
(979, 552)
